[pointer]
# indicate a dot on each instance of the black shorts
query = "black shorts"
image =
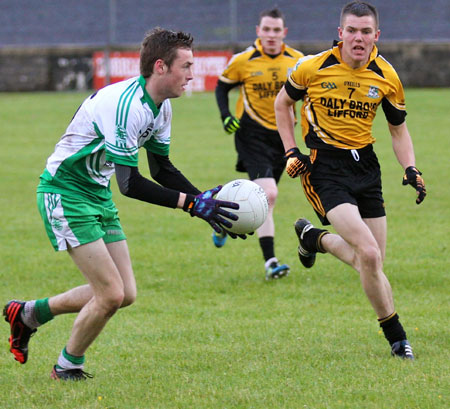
(260, 151)
(344, 176)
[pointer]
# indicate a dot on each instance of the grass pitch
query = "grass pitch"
(207, 331)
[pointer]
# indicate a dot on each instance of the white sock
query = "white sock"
(64, 363)
(28, 315)
(270, 261)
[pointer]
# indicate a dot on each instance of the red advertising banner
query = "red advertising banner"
(208, 65)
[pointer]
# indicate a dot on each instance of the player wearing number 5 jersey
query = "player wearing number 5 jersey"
(74, 196)
(259, 72)
(342, 89)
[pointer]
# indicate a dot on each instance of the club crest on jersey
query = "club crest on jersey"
(121, 136)
(373, 92)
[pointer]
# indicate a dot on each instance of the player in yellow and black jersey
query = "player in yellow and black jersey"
(341, 102)
(342, 89)
(260, 71)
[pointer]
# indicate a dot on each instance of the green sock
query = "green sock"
(43, 313)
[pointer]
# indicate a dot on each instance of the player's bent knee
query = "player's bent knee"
(111, 302)
(128, 299)
(370, 256)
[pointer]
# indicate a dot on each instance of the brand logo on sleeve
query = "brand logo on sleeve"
(121, 136)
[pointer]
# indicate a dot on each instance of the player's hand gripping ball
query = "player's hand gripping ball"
(253, 205)
(211, 210)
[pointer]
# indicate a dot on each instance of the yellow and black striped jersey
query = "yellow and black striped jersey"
(260, 77)
(340, 102)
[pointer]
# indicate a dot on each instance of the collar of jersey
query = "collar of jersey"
(147, 98)
(337, 54)
(259, 47)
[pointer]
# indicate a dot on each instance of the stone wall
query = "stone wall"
(70, 68)
(44, 69)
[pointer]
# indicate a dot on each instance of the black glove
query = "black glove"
(412, 177)
(297, 163)
(211, 210)
(231, 124)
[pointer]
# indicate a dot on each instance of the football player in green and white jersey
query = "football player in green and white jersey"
(74, 196)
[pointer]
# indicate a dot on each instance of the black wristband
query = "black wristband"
(292, 150)
(188, 203)
(413, 169)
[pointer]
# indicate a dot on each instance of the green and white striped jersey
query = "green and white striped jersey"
(109, 127)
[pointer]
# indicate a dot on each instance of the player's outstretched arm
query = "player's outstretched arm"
(404, 151)
(132, 184)
(163, 172)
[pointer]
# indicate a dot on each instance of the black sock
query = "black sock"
(267, 247)
(312, 239)
(393, 330)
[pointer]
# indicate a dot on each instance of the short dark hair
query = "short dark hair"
(163, 44)
(274, 13)
(360, 9)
